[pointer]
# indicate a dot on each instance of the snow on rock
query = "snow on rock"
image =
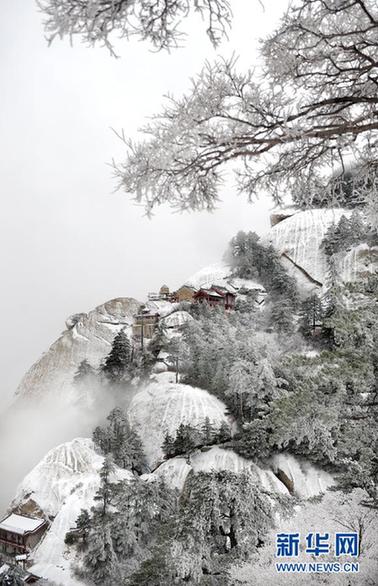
(176, 470)
(246, 284)
(63, 483)
(160, 306)
(51, 480)
(298, 238)
(304, 479)
(89, 336)
(218, 273)
(284, 474)
(176, 319)
(162, 406)
(357, 263)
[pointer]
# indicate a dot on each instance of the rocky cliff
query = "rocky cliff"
(88, 336)
(63, 482)
(297, 236)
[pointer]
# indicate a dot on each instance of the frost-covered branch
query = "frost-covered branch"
(157, 21)
(293, 129)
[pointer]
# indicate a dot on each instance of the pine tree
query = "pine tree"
(207, 431)
(311, 315)
(185, 440)
(137, 459)
(105, 493)
(84, 373)
(100, 559)
(224, 433)
(282, 316)
(168, 446)
(122, 442)
(83, 525)
(117, 364)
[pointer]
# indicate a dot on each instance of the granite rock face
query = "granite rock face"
(62, 484)
(88, 336)
(163, 405)
(298, 235)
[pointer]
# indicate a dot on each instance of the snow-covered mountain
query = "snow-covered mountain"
(88, 336)
(66, 479)
(64, 482)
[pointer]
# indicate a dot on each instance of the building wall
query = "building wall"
(148, 330)
(16, 543)
(32, 539)
(184, 294)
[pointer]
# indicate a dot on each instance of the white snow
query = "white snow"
(161, 307)
(176, 319)
(307, 479)
(89, 336)
(20, 524)
(215, 458)
(357, 263)
(163, 405)
(215, 274)
(63, 483)
(248, 284)
(299, 237)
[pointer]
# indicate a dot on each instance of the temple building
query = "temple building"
(215, 297)
(185, 293)
(19, 534)
(145, 324)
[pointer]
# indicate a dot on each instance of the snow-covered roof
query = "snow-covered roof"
(20, 524)
(211, 292)
(160, 306)
(217, 273)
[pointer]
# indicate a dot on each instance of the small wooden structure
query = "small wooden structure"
(19, 534)
(163, 295)
(184, 293)
(145, 324)
(164, 292)
(215, 297)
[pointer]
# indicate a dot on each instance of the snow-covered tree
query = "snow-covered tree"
(282, 316)
(251, 259)
(124, 443)
(207, 431)
(100, 560)
(311, 315)
(117, 363)
(168, 445)
(224, 433)
(222, 514)
(293, 128)
(98, 21)
(85, 373)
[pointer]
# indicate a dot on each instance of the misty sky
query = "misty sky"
(69, 243)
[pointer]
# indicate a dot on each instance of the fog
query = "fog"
(68, 242)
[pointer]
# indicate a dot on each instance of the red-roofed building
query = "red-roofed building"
(215, 297)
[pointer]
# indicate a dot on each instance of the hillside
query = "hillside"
(227, 421)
